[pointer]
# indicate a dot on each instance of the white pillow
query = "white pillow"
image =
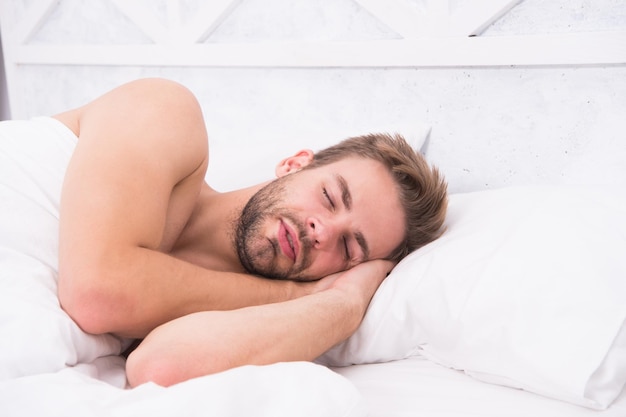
(243, 161)
(527, 288)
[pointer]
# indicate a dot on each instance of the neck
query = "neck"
(208, 238)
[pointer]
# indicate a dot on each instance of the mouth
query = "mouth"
(288, 241)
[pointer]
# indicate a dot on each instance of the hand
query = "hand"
(363, 280)
(360, 282)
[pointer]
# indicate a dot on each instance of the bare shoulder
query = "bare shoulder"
(155, 88)
(162, 96)
(158, 91)
(138, 166)
(153, 115)
(163, 100)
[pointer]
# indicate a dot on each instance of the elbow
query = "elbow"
(166, 358)
(90, 306)
(143, 367)
(139, 370)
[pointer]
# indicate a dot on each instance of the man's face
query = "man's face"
(316, 222)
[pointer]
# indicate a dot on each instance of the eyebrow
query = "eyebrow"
(363, 244)
(346, 198)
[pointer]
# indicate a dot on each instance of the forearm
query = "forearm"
(208, 342)
(296, 330)
(137, 289)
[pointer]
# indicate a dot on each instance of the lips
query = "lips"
(288, 241)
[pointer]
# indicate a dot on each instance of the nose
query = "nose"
(323, 231)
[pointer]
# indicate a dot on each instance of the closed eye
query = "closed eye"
(346, 249)
(330, 201)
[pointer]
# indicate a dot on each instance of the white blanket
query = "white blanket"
(284, 389)
(49, 366)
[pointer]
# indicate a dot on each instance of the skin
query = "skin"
(147, 246)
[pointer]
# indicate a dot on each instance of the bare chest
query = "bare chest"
(183, 205)
(201, 236)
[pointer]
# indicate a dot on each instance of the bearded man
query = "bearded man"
(278, 271)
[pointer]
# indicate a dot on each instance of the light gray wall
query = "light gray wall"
(491, 127)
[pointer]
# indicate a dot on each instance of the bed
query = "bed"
(521, 301)
(517, 310)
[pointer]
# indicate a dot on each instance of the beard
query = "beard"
(258, 253)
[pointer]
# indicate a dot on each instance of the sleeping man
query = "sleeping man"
(148, 250)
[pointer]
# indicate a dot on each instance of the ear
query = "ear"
(294, 163)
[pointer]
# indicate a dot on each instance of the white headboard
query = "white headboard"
(515, 91)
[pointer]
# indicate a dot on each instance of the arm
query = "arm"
(142, 155)
(301, 329)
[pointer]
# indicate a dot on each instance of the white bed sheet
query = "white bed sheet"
(418, 387)
(98, 389)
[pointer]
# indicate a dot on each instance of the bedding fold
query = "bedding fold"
(38, 336)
